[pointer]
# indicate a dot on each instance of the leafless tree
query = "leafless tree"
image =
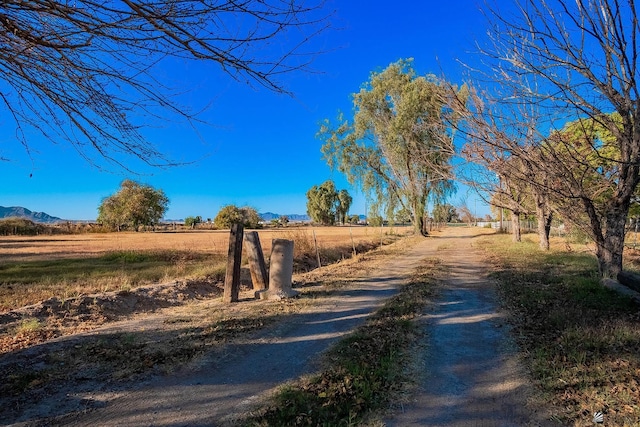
(464, 212)
(502, 179)
(569, 60)
(85, 71)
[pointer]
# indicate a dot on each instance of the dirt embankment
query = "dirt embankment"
(52, 318)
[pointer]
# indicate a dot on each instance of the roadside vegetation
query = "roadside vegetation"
(581, 341)
(365, 372)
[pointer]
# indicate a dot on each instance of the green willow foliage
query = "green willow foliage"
(398, 146)
(326, 205)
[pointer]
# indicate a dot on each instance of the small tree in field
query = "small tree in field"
(444, 213)
(231, 214)
(322, 201)
(375, 220)
(134, 205)
(192, 221)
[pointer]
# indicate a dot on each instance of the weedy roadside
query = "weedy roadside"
(363, 372)
(581, 341)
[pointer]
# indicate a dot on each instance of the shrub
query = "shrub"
(231, 214)
(21, 226)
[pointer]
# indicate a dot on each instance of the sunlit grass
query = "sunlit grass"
(36, 268)
(581, 340)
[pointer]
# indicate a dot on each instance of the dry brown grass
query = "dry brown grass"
(33, 269)
(580, 340)
(38, 248)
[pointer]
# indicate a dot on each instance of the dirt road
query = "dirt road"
(471, 376)
(220, 390)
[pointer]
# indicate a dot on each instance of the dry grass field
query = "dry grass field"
(39, 248)
(35, 268)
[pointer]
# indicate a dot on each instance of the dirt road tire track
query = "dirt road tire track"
(473, 376)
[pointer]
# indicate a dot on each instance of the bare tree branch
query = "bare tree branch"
(561, 61)
(84, 71)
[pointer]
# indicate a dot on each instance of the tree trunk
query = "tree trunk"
(544, 225)
(418, 218)
(609, 250)
(419, 226)
(515, 222)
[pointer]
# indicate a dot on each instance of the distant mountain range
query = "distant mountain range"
(41, 217)
(20, 212)
(268, 216)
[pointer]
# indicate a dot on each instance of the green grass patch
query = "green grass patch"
(363, 372)
(28, 282)
(581, 340)
(29, 325)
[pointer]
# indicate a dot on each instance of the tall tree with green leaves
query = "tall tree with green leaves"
(344, 203)
(398, 146)
(322, 201)
(134, 205)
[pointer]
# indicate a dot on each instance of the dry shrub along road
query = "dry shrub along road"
(229, 375)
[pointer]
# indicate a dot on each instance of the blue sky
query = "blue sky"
(259, 148)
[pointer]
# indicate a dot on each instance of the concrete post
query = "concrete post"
(280, 271)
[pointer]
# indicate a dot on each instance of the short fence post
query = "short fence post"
(257, 266)
(234, 260)
(280, 271)
(352, 242)
(315, 243)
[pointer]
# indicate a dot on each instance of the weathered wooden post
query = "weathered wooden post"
(352, 242)
(234, 259)
(315, 243)
(257, 266)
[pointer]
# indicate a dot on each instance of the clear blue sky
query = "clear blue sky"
(260, 147)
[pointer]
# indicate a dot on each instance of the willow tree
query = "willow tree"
(344, 203)
(398, 146)
(326, 205)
